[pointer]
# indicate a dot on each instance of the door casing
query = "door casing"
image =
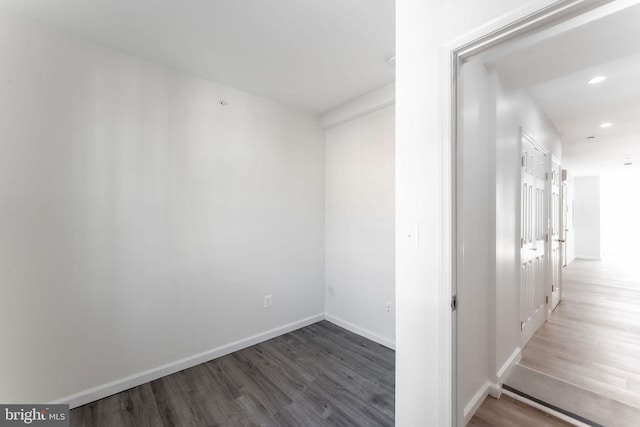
(454, 55)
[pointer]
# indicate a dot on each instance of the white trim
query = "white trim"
(528, 18)
(497, 31)
(545, 409)
(586, 258)
(360, 331)
(476, 401)
(113, 387)
(495, 390)
(506, 367)
(368, 103)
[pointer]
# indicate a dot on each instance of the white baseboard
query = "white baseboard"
(495, 390)
(472, 406)
(506, 367)
(360, 331)
(491, 388)
(113, 387)
(588, 258)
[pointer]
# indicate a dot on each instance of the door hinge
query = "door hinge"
(521, 326)
(553, 288)
(546, 237)
(546, 299)
(546, 176)
(522, 161)
(454, 303)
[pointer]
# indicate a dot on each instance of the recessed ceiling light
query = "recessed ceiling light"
(628, 163)
(597, 79)
(606, 125)
(591, 138)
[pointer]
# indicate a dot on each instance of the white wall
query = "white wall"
(425, 34)
(384, 96)
(514, 109)
(489, 300)
(360, 240)
(141, 222)
(476, 293)
(587, 217)
(619, 213)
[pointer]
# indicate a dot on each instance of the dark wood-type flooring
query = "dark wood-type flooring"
(320, 375)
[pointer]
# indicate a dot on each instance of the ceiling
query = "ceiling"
(314, 54)
(555, 69)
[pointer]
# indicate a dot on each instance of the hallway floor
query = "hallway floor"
(508, 412)
(593, 337)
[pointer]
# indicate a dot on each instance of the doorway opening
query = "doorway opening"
(519, 213)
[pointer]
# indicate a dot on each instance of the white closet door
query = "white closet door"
(533, 235)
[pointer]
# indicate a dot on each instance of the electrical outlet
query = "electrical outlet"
(267, 301)
(387, 309)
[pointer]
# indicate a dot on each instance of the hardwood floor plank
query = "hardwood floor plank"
(321, 375)
(593, 337)
(508, 412)
(569, 397)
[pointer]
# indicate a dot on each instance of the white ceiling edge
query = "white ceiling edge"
(554, 69)
(375, 100)
(310, 55)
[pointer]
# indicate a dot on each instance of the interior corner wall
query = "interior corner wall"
(142, 222)
(587, 217)
(360, 225)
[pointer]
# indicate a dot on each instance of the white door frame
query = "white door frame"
(504, 29)
(556, 240)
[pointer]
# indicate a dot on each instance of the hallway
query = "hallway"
(591, 341)
(593, 337)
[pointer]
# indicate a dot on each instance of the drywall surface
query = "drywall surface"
(513, 110)
(476, 292)
(619, 213)
(141, 221)
(360, 239)
(425, 33)
(490, 120)
(587, 217)
(368, 103)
